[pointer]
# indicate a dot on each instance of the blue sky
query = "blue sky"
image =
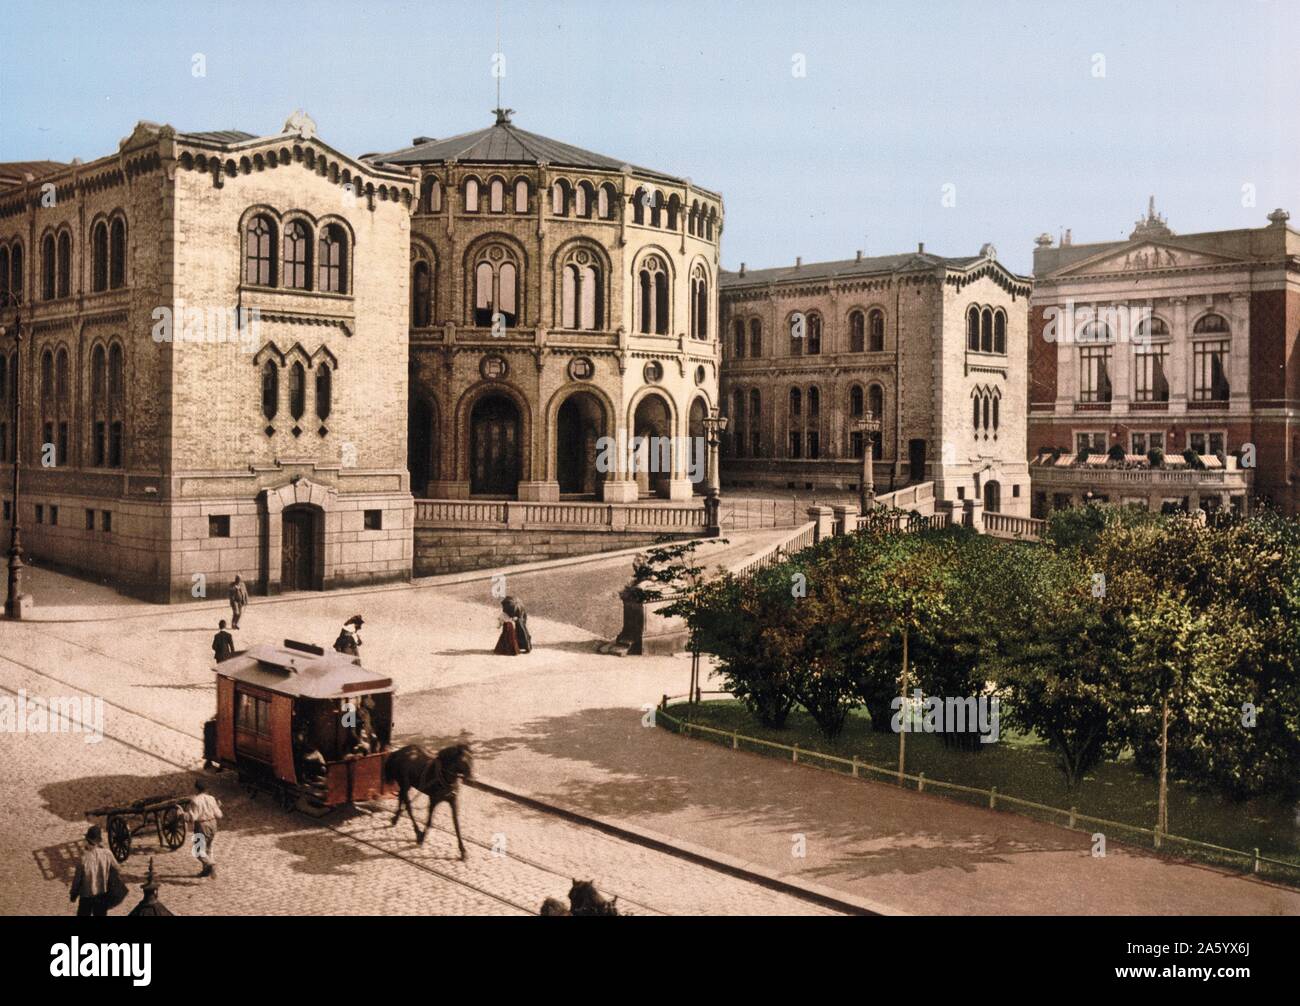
(1000, 100)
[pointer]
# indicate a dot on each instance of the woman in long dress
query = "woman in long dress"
(508, 641)
(515, 608)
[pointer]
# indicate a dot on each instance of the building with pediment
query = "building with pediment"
(214, 362)
(1165, 369)
(932, 347)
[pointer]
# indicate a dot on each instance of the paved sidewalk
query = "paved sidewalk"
(566, 725)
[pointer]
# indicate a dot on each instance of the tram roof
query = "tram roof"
(309, 673)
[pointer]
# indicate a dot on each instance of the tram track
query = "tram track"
(336, 829)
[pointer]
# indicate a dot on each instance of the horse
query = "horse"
(554, 906)
(585, 900)
(437, 777)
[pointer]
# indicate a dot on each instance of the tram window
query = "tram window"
(253, 714)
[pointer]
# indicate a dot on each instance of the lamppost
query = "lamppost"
(16, 602)
(867, 425)
(714, 426)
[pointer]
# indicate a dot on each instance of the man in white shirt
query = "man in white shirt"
(204, 811)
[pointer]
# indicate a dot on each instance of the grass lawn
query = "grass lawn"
(1024, 767)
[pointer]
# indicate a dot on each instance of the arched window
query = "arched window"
(116, 404)
(814, 403)
(876, 401)
(421, 288)
(49, 267)
(814, 334)
(986, 403)
(521, 195)
(996, 400)
(738, 405)
(975, 400)
(708, 229)
(297, 390)
(876, 330)
(755, 426)
(638, 206)
(652, 286)
(755, 404)
(693, 219)
(674, 208)
(332, 255)
(999, 331)
(755, 337)
(973, 329)
(117, 254)
(65, 264)
(986, 330)
(699, 303)
(604, 201)
(1210, 323)
(582, 295)
(560, 198)
(270, 389)
(324, 389)
(259, 252)
(297, 256)
(62, 383)
(496, 288)
(796, 403)
(497, 196)
(584, 198)
(739, 328)
(99, 257)
(856, 401)
(1152, 328)
(16, 273)
(656, 208)
(47, 376)
(471, 195)
(431, 194)
(857, 332)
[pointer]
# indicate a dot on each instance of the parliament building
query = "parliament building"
(249, 354)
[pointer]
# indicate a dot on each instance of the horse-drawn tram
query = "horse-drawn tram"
(311, 726)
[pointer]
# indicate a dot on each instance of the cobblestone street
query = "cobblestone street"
(563, 725)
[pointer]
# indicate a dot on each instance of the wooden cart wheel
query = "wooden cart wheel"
(171, 827)
(119, 838)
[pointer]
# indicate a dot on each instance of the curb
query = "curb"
(817, 894)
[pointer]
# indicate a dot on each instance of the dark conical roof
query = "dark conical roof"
(505, 143)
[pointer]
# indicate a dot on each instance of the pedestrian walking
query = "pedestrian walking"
(349, 640)
(97, 883)
(508, 640)
(223, 643)
(204, 812)
(238, 598)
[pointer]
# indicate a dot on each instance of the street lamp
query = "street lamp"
(867, 425)
(16, 602)
(714, 426)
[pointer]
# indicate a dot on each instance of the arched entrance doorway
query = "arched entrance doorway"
(579, 424)
(300, 541)
(422, 445)
(494, 447)
(992, 497)
(653, 421)
(699, 447)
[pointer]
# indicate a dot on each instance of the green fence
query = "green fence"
(1253, 861)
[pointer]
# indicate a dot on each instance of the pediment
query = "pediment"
(1145, 256)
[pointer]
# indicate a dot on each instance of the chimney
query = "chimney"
(859, 256)
(798, 261)
(1067, 239)
(920, 248)
(742, 268)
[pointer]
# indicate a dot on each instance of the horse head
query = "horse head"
(458, 760)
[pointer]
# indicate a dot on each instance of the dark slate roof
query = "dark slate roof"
(220, 136)
(505, 143)
(908, 262)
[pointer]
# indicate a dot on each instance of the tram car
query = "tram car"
(311, 726)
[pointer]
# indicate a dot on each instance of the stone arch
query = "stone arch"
(653, 413)
(302, 496)
(462, 447)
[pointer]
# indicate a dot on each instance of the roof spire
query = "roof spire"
(503, 115)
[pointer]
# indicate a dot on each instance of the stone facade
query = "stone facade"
(1176, 342)
(540, 324)
(203, 418)
(809, 349)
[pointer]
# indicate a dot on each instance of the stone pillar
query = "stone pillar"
(846, 515)
(539, 492)
(974, 514)
(824, 517)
